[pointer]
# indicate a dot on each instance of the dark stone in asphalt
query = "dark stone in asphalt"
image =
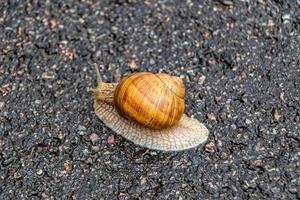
(241, 67)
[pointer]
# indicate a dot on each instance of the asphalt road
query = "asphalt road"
(241, 67)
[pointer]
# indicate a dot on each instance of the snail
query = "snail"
(148, 109)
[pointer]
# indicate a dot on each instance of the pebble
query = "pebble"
(82, 130)
(60, 135)
(1, 105)
(248, 121)
(152, 61)
(48, 75)
(37, 101)
(94, 138)
(258, 162)
(271, 23)
(211, 116)
(261, 1)
(95, 149)
(201, 79)
(67, 165)
(86, 152)
(143, 180)
(218, 98)
(210, 147)
(39, 172)
(286, 18)
(7, 162)
(132, 63)
(224, 156)
(276, 115)
(111, 139)
(226, 2)
(17, 175)
(54, 23)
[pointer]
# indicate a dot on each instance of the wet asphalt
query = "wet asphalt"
(240, 61)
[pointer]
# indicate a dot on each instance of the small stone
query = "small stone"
(82, 133)
(81, 20)
(226, 2)
(61, 148)
(248, 121)
(258, 162)
(211, 116)
(53, 23)
(143, 180)
(223, 156)
(86, 152)
(209, 147)
(223, 116)
(281, 96)
(66, 52)
(275, 190)
(152, 61)
(276, 114)
(60, 135)
(270, 23)
(195, 160)
(94, 138)
(132, 63)
(45, 196)
(17, 175)
(293, 190)
(20, 30)
(217, 98)
(201, 79)
(286, 17)
(37, 101)
(1, 105)
(111, 139)
(7, 162)
(97, 54)
(48, 75)
(95, 149)
(206, 34)
(81, 128)
(261, 1)
(67, 165)
(39, 172)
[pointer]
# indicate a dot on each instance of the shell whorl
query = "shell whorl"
(154, 100)
(173, 83)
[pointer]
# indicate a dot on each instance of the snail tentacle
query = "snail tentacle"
(96, 68)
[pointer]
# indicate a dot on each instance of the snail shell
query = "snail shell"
(160, 125)
(154, 100)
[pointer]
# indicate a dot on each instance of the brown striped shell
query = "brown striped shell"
(154, 100)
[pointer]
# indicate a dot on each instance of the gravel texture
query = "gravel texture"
(241, 64)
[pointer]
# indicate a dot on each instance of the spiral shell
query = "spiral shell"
(154, 100)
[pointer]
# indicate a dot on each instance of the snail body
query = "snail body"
(148, 109)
